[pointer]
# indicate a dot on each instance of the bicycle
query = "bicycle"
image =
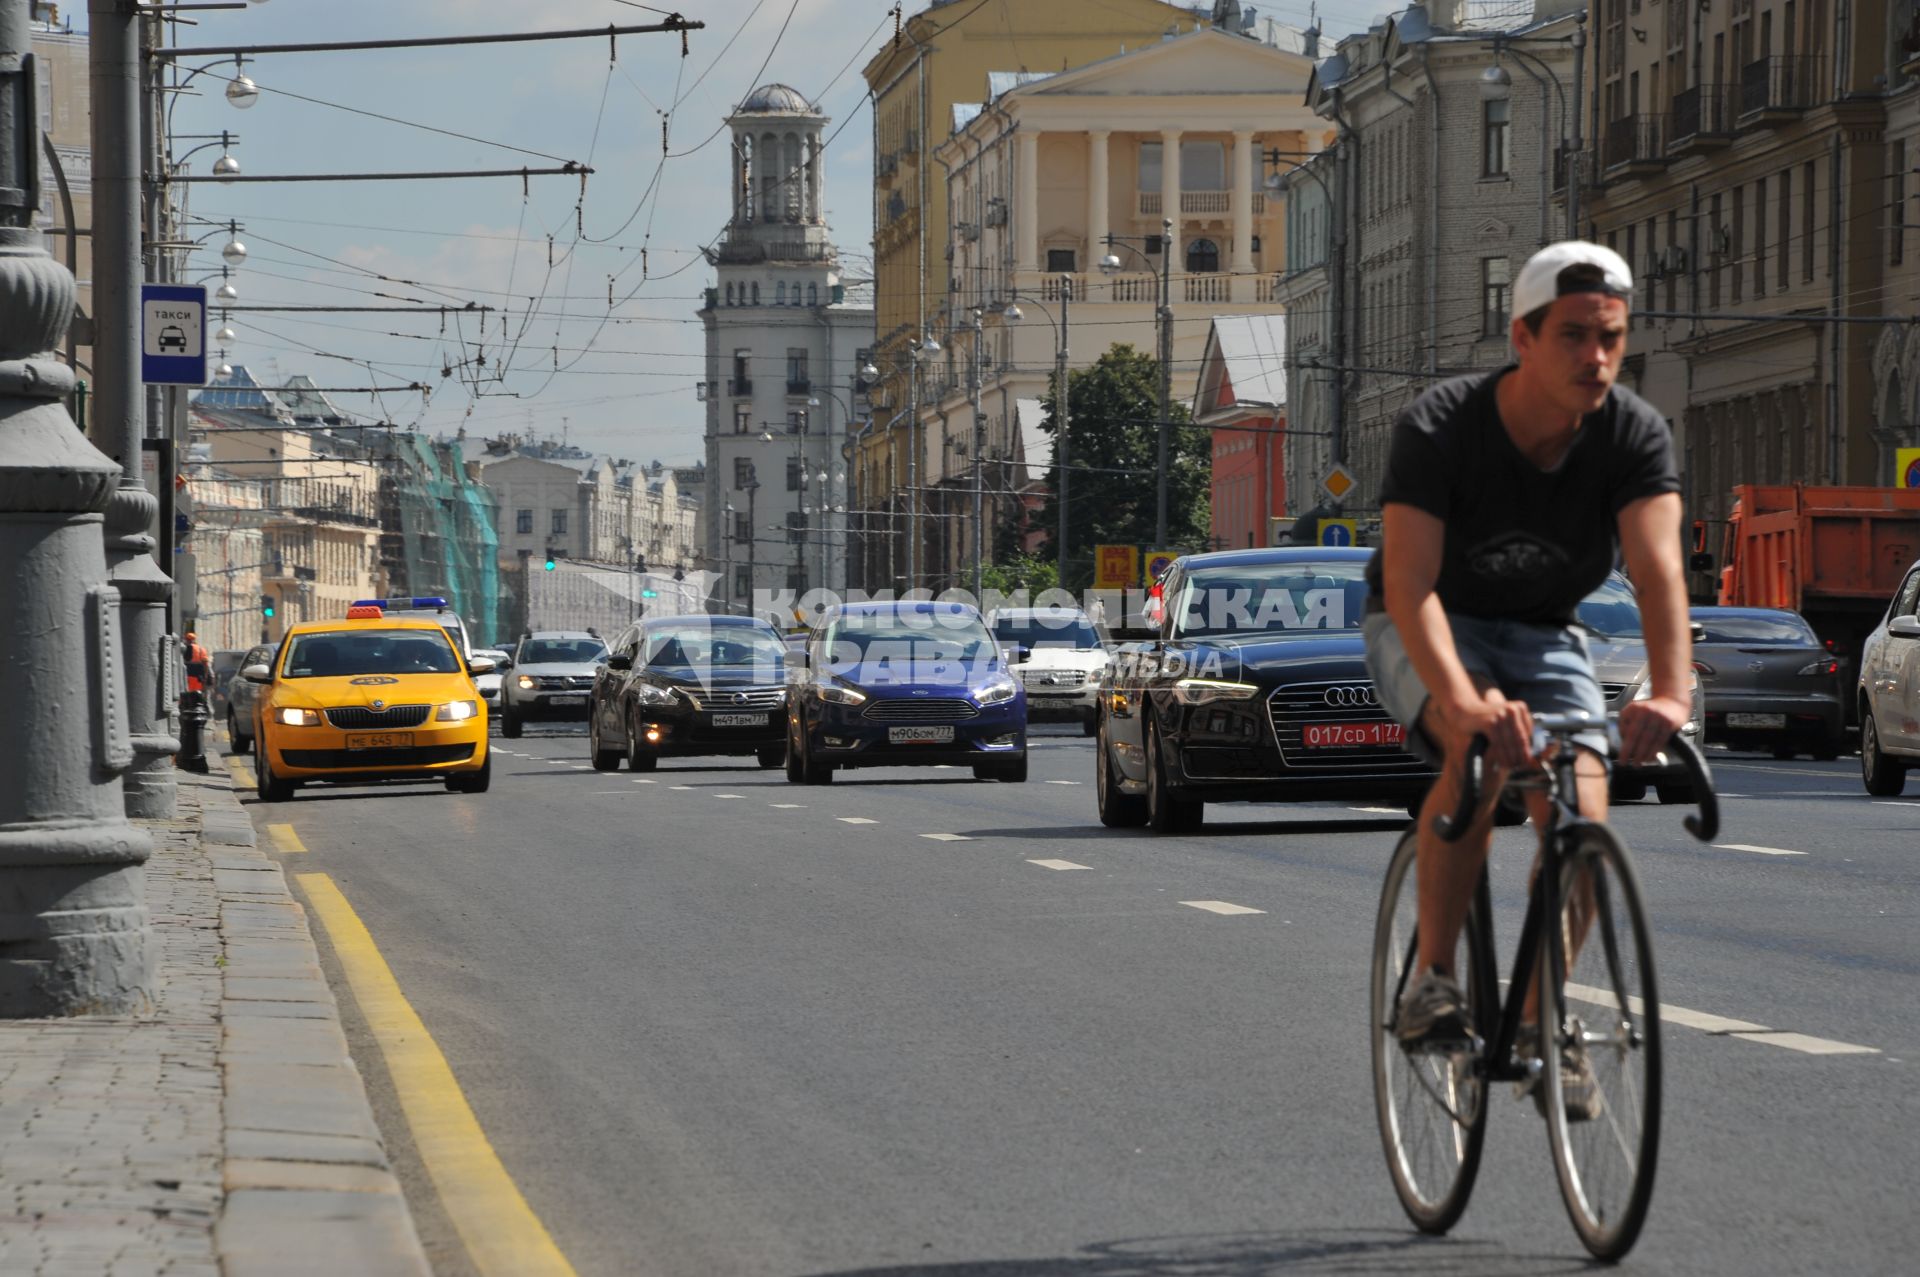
(1432, 1105)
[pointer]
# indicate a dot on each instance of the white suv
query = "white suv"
(1059, 655)
(1890, 693)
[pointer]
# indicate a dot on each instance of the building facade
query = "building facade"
(786, 338)
(559, 501)
(1755, 165)
(66, 189)
(1408, 228)
(1241, 398)
(1038, 175)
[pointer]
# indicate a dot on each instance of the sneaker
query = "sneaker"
(1432, 1013)
(1579, 1093)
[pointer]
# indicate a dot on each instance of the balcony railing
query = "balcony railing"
(1148, 204)
(1635, 141)
(1702, 115)
(739, 386)
(1134, 288)
(1211, 289)
(1779, 84)
(798, 385)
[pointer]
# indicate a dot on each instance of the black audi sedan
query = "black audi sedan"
(690, 685)
(1255, 689)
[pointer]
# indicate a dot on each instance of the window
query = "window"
(797, 421)
(742, 582)
(729, 294)
(1203, 257)
(1806, 221)
(742, 472)
(559, 523)
(813, 294)
(742, 419)
(1717, 229)
(797, 579)
(796, 526)
(797, 380)
(1203, 166)
(1494, 137)
(1785, 228)
(1737, 244)
(1760, 237)
(742, 527)
(1060, 261)
(1149, 166)
(1897, 202)
(795, 474)
(1496, 296)
(780, 293)
(742, 364)
(523, 522)
(756, 293)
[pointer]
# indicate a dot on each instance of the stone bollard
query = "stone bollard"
(193, 731)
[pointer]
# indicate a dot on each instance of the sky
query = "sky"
(552, 358)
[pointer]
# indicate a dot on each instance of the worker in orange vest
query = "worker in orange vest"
(199, 664)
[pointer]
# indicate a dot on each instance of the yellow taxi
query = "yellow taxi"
(369, 699)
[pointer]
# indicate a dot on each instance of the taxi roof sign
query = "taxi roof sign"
(366, 612)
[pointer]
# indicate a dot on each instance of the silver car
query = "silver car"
(552, 679)
(1889, 692)
(490, 683)
(242, 697)
(1770, 682)
(1618, 646)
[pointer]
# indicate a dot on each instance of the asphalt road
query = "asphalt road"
(717, 1024)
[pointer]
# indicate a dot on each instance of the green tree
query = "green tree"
(1013, 572)
(1112, 450)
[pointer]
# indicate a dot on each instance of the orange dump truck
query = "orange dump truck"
(1834, 555)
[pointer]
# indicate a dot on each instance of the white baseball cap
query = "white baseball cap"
(1543, 278)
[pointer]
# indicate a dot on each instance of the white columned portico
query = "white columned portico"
(1026, 146)
(1242, 201)
(1099, 198)
(1170, 196)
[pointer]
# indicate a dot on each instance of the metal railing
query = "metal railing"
(1635, 139)
(739, 385)
(1705, 110)
(1780, 84)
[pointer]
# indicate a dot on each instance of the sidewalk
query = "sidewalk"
(224, 1132)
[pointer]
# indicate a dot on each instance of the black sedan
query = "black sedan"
(1255, 690)
(690, 685)
(1770, 682)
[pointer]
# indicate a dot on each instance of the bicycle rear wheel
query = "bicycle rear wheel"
(1608, 1013)
(1431, 1107)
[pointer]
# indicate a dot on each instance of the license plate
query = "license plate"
(739, 720)
(568, 700)
(920, 735)
(1353, 735)
(1756, 720)
(380, 740)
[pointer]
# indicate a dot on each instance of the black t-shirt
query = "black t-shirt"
(1522, 543)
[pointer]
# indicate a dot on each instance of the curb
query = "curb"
(308, 1185)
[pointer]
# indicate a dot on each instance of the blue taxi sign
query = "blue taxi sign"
(173, 334)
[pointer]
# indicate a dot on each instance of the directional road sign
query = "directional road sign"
(1338, 532)
(173, 335)
(1157, 563)
(1115, 566)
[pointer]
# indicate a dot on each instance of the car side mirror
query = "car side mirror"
(1697, 631)
(1700, 561)
(258, 673)
(619, 661)
(1904, 627)
(481, 665)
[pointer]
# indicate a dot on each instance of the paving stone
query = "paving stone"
(285, 1041)
(277, 989)
(303, 1146)
(245, 1173)
(306, 1099)
(294, 1233)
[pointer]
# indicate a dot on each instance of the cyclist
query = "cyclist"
(1507, 498)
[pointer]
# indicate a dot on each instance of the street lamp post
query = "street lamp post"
(927, 346)
(1062, 409)
(1496, 85)
(72, 905)
(1163, 315)
(979, 447)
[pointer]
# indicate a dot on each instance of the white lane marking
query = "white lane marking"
(789, 806)
(689, 788)
(1058, 864)
(1065, 782)
(1743, 1029)
(1808, 1045)
(556, 762)
(609, 791)
(947, 837)
(639, 781)
(1885, 802)
(1220, 906)
(729, 795)
(582, 767)
(1758, 851)
(1381, 811)
(855, 820)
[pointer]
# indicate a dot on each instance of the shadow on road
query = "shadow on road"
(1336, 1251)
(1093, 829)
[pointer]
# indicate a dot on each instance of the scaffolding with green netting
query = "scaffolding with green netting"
(438, 533)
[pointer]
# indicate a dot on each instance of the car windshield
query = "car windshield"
(347, 653)
(1785, 630)
(583, 651)
(708, 648)
(1296, 597)
(887, 636)
(1047, 629)
(1611, 611)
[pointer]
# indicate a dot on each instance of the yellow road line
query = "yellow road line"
(285, 839)
(502, 1234)
(242, 774)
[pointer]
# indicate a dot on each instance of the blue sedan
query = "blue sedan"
(904, 684)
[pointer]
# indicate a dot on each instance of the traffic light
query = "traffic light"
(549, 563)
(266, 606)
(649, 594)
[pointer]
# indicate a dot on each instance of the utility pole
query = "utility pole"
(753, 534)
(113, 52)
(1166, 384)
(979, 476)
(72, 899)
(1063, 413)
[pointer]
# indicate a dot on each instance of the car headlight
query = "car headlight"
(298, 717)
(1203, 691)
(999, 690)
(837, 693)
(455, 712)
(652, 695)
(526, 682)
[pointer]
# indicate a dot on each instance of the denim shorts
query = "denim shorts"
(1545, 665)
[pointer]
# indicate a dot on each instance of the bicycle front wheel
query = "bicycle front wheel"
(1603, 1102)
(1431, 1106)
